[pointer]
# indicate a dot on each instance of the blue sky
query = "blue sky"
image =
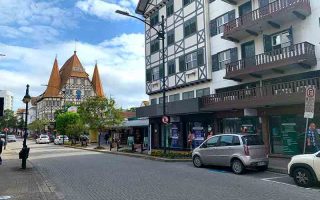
(33, 32)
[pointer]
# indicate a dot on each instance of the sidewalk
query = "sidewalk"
(21, 184)
(278, 165)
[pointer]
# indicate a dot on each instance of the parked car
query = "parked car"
(43, 139)
(11, 138)
(237, 151)
(305, 169)
(59, 139)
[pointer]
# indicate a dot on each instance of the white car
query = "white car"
(305, 169)
(12, 138)
(59, 139)
(43, 139)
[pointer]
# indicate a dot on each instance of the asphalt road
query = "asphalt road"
(79, 174)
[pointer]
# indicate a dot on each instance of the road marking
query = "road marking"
(217, 170)
(288, 184)
(5, 197)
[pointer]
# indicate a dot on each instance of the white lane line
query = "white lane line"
(270, 180)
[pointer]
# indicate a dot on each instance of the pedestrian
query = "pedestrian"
(106, 137)
(1, 145)
(312, 139)
(190, 140)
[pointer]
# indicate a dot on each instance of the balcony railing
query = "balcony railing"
(300, 8)
(276, 94)
(302, 53)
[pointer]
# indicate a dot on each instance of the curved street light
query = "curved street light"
(161, 36)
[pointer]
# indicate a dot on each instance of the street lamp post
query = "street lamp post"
(161, 36)
(24, 153)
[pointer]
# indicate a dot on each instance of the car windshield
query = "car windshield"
(252, 140)
(44, 136)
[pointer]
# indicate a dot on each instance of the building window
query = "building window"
(161, 100)
(188, 95)
(153, 101)
(170, 8)
(217, 24)
(154, 19)
(171, 67)
(203, 92)
(156, 73)
(187, 2)
(83, 81)
(278, 40)
(87, 92)
(170, 37)
(223, 59)
(191, 60)
(190, 27)
(154, 46)
(174, 97)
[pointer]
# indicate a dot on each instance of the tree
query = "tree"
(38, 125)
(100, 113)
(69, 123)
(8, 120)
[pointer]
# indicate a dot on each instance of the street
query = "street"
(80, 174)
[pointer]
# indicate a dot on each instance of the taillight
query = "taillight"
(246, 150)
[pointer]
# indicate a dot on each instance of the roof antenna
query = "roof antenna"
(75, 46)
(56, 56)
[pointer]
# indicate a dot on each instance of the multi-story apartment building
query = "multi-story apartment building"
(260, 55)
(8, 99)
(69, 85)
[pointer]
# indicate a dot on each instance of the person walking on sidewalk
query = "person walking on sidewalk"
(1, 145)
(313, 140)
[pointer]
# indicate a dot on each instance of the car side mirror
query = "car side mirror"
(318, 155)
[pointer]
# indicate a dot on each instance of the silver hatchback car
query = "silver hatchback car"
(237, 151)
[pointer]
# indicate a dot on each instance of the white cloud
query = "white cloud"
(106, 10)
(120, 61)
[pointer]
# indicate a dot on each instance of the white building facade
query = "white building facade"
(8, 99)
(258, 58)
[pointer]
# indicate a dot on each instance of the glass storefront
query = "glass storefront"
(287, 134)
(249, 125)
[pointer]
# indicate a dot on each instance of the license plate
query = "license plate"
(261, 163)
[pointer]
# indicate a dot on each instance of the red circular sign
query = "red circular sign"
(310, 92)
(5, 129)
(165, 119)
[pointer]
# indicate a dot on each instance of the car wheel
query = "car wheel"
(302, 177)
(237, 166)
(263, 168)
(197, 161)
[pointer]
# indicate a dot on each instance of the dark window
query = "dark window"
(220, 60)
(170, 8)
(174, 97)
(171, 67)
(182, 64)
(187, 2)
(155, 73)
(203, 92)
(226, 140)
(236, 140)
(154, 19)
(192, 60)
(188, 95)
(154, 46)
(190, 27)
(252, 140)
(170, 37)
(149, 75)
(153, 101)
(212, 142)
(161, 100)
(278, 40)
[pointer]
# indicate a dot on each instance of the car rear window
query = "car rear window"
(252, 140)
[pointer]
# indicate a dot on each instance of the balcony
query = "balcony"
(274, 15)
(277, 61)
(233, 2)
(287, 93)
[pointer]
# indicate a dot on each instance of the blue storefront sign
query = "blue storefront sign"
(175, 137)
(198, 133)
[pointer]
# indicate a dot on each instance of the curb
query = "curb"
(278, 170)
(147, 157)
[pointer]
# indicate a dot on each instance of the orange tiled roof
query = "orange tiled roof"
(72, 68)
(96, 82)
(54, 82)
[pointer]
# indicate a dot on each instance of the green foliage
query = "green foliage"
(8, 120)
(69, 123)
(172, 155)
(38, 125)
(99, 113)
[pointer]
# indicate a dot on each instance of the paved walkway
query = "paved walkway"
(19, 184)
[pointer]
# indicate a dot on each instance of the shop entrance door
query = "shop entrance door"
(248, 54)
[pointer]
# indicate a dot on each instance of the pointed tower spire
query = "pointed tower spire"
(96, 82)
(53, 86)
